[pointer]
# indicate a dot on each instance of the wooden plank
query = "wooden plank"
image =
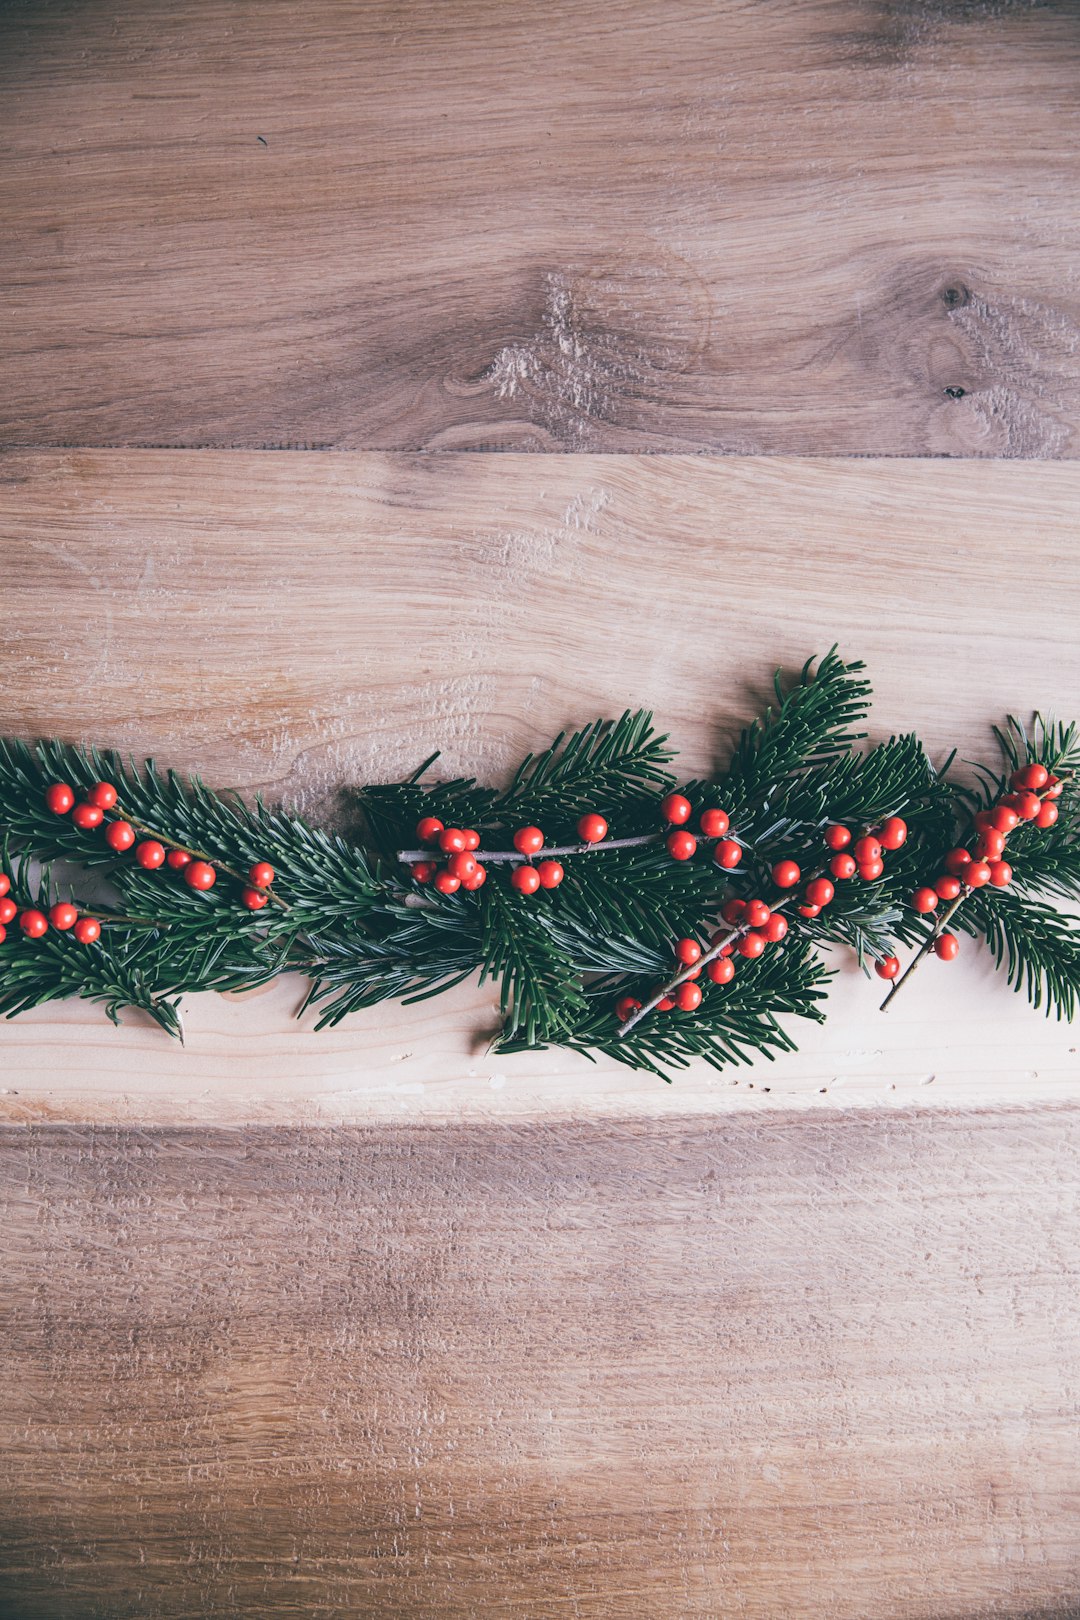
(833, 226)
(300, 623)
(789, 1368)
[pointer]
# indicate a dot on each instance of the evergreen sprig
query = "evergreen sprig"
(352, 917)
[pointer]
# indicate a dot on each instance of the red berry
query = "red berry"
(676, 809)
(991, 843)
(894, 831)
(178, 859)
(984, 820)
(428, 829)
(721, 970)
(592, 829)
(843, 866)
(472, 838)
(809, 911)
(1053, 789)
(33, 923)
(87, 929)
(727, 853)
(888, 967)
(957, 860)
(525, 879)
(757, 913)
(688, 997)
(59, 798)
(8, 908)
(820, 891)
(63, 916)
(714, 823)
(976, 874)
(665, 1005)
(551, 874)
(732, 910)
(451, 840)
(948, 887)
(624, 1007)
(870, 871)
(1031, 777)
(687, 951)
(5, 884)
(462, 865)
(1000, 874)
(1027, 806)
(1004, 818)
(199, 875)
(528, 840)
(681, 845)
(751, 945)
(3, 933)
(261, 875)
(837, 837)
(422, 871)
(150, 853)
(924, 899)
(785, 874)
(86, 816)
(120, 835)
(776, 928)
(103, 794)
(867, 849)
(446, 882)
(254, 899)
(947, 947)
(477, 881)
(1047, 815)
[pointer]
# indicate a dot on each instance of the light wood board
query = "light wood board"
(781, 1369)
(826, 226)
(298, 624)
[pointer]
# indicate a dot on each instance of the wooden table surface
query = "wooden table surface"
(381, 377)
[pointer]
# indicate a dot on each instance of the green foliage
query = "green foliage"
(364, 931)
(1039, 947)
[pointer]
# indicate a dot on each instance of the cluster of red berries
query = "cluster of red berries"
(758, 928)
(35, 923)
(150, 853)
(862, 857)
(758, 925)
(463, 871)
(1034, 790)
(681, 844)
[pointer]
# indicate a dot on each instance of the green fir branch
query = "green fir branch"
(364, 930)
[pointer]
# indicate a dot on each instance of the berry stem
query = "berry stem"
(926, 947)
(733, 933)
(198, 855)
(488, 856)
(134, 922)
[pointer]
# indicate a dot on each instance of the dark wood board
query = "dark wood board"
(832, 226)
(754, 1367)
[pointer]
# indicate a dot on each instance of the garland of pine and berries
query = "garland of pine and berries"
(619, 910)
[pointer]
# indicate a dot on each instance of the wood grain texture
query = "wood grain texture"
(784, 1369)
(831, 226)
(300, 623)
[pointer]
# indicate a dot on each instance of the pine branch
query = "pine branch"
(364, 928)
(811, 725)
(734, 1024)
(1038, 945)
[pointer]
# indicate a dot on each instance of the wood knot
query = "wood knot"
(956, 296)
